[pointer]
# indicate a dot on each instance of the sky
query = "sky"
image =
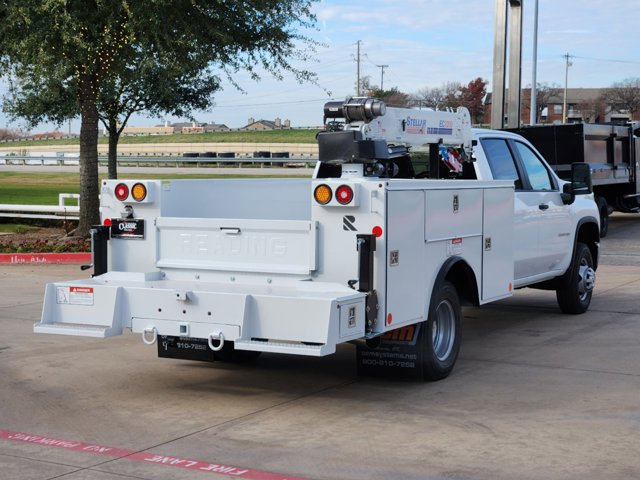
(426, 43)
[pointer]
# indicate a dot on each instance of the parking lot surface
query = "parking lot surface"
(535, 395)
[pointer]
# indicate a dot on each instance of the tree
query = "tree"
(156, 88)
(472, 97)
(392, 97)
(624, 95)
(438, 98)
(81, 47)
(7, 134)
(544, 93)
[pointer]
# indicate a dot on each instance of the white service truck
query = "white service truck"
(375, 241)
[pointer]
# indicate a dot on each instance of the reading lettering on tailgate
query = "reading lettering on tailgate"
(287, 246)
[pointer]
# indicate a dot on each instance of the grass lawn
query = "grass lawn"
(42, 188)
(268, 136)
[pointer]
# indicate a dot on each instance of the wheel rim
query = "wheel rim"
(443, 330)
(586, 280)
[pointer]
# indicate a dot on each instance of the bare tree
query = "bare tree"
(544, 93)
(7, 134)
(438, 98)
(624, 95)
(429, 97)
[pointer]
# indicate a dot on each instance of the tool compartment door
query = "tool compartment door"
(238, 245)
(497, 254)
(405, 258)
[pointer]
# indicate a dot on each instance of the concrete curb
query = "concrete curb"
(44, 258)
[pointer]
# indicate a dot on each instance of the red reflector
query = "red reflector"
(107, 222)
(122, 192)
(377, 231)
(344, 194)
(389, 319)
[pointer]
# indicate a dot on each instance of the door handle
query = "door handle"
(543, 206)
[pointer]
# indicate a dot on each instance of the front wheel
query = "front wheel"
(576, 287)
(441, 333)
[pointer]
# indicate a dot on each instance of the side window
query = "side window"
(538, 174)
(500, 160)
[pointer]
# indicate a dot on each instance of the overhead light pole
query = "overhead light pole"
(533, 113)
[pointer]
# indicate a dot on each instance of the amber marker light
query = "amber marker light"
(139, 192)
(322, 194)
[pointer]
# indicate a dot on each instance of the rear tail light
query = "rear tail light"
(122, 191)
(139, 192)
(322, 194)
(344, 194)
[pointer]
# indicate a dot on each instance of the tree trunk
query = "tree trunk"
(89, 204)
(114, 136)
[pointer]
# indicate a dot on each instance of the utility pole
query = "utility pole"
(358, 70)
(382, 67)
(566, 82)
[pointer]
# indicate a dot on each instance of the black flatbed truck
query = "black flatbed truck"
(612, 151)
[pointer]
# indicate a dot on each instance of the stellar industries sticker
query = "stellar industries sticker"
(74, 295)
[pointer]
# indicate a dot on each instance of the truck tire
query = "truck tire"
(229, 354)
(441, 333)
(603, 209)
(576, 286)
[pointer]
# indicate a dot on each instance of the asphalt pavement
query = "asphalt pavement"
(535, 395)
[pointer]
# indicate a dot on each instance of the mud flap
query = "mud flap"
(399, 355)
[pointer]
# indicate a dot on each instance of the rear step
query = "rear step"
(77, 330)
(314, 350)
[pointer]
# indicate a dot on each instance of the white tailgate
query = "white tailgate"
(238, 245)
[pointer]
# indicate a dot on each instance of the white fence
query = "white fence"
(61, 211)
(169, 160)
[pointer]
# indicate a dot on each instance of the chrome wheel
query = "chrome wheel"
(443, 330)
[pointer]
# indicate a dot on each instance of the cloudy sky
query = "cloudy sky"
(426, 43)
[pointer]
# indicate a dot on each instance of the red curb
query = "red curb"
(44, 258)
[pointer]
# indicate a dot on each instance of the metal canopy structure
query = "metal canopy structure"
(511, 10)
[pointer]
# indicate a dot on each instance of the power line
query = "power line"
(633, 62)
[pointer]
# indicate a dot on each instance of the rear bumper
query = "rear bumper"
(295, 317)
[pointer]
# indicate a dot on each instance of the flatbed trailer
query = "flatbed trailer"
(611, 150)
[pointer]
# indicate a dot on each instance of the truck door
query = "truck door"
(541, 191)
(503, 166)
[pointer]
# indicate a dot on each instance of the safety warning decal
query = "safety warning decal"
(74, 295)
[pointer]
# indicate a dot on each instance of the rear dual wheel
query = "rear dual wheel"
(441, 333)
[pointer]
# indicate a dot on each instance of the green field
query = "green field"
(43, 188)
(268, 136)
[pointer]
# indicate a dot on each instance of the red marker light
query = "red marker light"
(107, 222)
(122, 192)
(389, 319)
(344, 194)
(377, 231)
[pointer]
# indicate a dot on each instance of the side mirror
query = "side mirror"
(580, 183)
